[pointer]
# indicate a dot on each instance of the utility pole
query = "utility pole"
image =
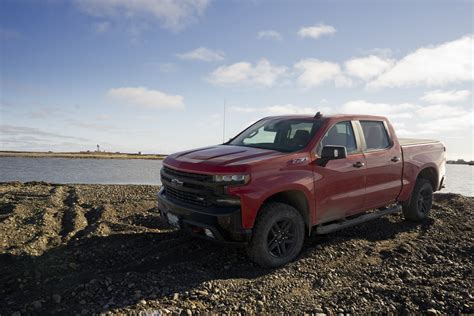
(223, 125)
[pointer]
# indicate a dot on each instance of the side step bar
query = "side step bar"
(332, 227)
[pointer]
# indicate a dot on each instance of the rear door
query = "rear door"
(340, 185)
(383, 163)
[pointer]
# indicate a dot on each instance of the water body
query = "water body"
(460, 178)
(68, 170)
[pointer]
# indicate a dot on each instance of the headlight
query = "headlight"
(232, 178)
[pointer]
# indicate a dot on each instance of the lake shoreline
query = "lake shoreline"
(81, 155)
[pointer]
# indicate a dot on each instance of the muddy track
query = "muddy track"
(90, 249)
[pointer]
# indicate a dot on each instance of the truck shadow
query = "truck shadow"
(96, 274)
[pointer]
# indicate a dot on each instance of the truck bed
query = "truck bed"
(415, 141)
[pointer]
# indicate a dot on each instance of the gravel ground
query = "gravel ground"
(91, 249)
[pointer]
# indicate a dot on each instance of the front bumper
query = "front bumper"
(223, 224)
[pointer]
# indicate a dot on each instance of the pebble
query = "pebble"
(57, 298)
(37, 304)
(73, 265)
(432, 312)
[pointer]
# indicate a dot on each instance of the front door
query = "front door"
(340, 185)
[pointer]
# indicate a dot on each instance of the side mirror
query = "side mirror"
(334, 152)
(331, 153)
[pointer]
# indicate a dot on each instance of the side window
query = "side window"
(260, 136)
(340, 134)
(375, 135)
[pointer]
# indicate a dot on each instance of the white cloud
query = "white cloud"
(444, 124)
(286, 109)
(314, 72)
(439, 111)
(103, 117)
(22, 131)
(316, 31)
(289, 109)
(43, 113)
(263, 73)
(102, 27)
(166, 67)
(140, 96)
(243, 109)
(203, 54)
(377, 51)
(439, 96)
(174, 15)
(368, 67)
(402, 110)
(271, 34)
(414, 120)
(450, 62)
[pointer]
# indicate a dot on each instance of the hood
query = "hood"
(224, 155)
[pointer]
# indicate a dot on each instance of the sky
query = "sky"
(156, 75)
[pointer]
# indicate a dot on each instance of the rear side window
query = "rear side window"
(340, 134)
(375, 135)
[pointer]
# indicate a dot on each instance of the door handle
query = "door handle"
(395, 159)
(358, 164)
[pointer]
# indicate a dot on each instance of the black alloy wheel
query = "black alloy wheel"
(277, 236)
(421, 201)
(281, 238)
(425, 200)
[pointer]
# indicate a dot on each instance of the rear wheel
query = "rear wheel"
(278, 235)
(421, 201)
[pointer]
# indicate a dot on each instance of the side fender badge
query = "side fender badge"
(298, 161)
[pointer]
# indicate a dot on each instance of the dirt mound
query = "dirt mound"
(97, 248)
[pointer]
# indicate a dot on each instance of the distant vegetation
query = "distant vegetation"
(461, 162)
(81, 154)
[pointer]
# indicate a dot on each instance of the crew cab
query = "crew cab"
(286, 177)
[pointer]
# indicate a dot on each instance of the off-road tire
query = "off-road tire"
(420, 203)
(271, 217)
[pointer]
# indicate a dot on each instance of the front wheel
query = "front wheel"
(278, 235)
(421, 201)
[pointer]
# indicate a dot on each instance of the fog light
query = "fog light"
(208, 233)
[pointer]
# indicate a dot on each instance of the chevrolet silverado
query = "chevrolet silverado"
(286, 177)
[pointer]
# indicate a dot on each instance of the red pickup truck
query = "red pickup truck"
(286, 177)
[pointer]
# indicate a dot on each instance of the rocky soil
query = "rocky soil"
(91, 249)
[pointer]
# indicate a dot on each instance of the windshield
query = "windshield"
(280, 134)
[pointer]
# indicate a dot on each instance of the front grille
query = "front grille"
(186, 197)
(194, 188)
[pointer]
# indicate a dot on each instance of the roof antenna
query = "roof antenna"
(318, 115)
(223, 125)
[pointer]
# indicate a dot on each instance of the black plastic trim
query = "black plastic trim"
(207, 217)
